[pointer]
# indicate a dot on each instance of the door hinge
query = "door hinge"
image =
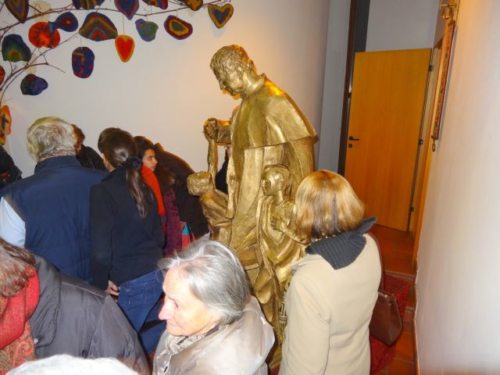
(420, 142)
(431, 67)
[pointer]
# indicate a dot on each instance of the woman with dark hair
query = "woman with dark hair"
(333, 290)
(160, 180)
(127, 238)
(9, 172)
(86, 155)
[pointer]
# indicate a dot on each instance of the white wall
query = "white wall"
(166, 91)
(458, 307)
(333, 91)
(401, 24)
(389, 27)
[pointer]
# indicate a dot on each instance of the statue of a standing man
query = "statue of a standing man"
(266, 129)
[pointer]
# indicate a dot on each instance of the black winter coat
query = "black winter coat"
(74, 318)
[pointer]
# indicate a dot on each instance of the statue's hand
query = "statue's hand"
(210, 128)
(278, 223)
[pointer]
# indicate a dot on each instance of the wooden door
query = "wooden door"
(385, 116)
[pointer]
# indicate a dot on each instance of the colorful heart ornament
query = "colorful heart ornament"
(146, 29)
(41, 36)
(82, 61)
(87, 4)
(5, 123)
(127, 7)
(18, 8)
(194, 4)
(33, 85)
(178, 28)
(125, 46)
(220, 14)
(66, 21)
(14, 49)
(98, 27)
(162, 4)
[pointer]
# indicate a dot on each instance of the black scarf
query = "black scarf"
(343, 249)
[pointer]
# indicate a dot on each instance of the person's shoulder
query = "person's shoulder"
(309, 270)
(172, 162)
(270, 86)
(270, 92)
(309, 263)
(18, 185)
(106, 187)
(238, 348)
(252, 328)
(75, 287)
(96, 173)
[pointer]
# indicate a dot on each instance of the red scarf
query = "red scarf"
(16, 343)
(150, 179)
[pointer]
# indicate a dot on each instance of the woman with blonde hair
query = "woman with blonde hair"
(332, 293)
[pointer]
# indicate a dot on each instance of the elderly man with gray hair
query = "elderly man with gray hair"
(214, 325)
(48, 212)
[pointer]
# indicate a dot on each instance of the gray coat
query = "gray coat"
(239, 348)
(77, 319)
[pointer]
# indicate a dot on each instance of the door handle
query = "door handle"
(351, 138)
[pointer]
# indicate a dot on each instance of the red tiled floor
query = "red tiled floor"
(397, 255)
(396, 248)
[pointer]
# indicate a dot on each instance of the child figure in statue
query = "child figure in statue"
(278, 250)
(213, 203)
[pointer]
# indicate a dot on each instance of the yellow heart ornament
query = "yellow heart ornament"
(220, 14)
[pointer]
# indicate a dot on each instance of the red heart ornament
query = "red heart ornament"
(125, 46)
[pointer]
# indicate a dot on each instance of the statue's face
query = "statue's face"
(231, 80)
(270, 183)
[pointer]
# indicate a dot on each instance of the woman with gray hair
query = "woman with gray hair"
(214, 325)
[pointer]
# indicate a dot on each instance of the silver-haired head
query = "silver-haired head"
(214, 275)
(50, 136)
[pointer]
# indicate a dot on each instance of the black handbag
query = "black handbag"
(386, 324)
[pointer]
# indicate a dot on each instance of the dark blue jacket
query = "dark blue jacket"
(54, 204)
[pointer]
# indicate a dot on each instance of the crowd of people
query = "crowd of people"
(95, 228)
(99, 281)
(95, 263)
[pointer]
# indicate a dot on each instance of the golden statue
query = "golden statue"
(267, 128)
(213, 203)
(279, 251)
